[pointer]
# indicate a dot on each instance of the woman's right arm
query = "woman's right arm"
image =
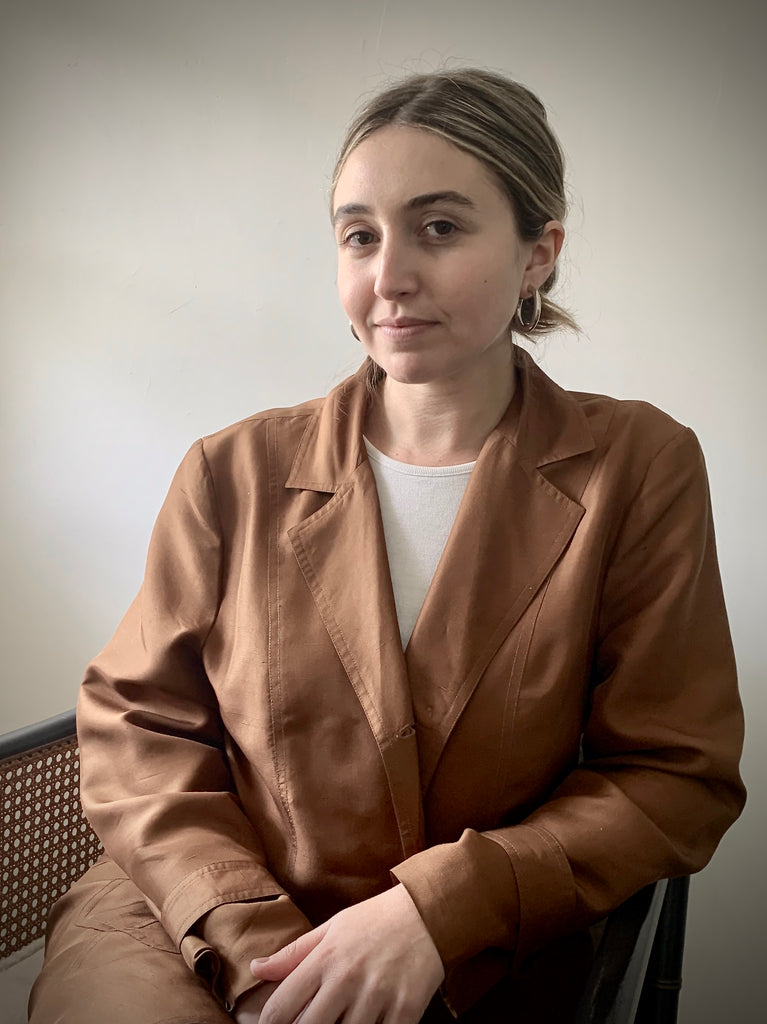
(155, 779)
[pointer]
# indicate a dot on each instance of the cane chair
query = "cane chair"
(48, 844)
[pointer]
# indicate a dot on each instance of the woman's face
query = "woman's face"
(430, 266)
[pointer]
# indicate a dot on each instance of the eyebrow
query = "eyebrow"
(416, 203)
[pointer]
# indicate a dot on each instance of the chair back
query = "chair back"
(47, 841)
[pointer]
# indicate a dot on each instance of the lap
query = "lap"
(107, 958)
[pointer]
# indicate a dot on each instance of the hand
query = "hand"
(374, 962)
(249, 1007)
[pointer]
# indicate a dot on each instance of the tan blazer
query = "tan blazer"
(563, 728)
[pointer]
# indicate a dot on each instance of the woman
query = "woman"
(301, 820)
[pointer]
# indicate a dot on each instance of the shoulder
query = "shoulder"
(556, 423)
(230, 464)
(281, 419)
(644, 461)
(243, 449)
(633, 429)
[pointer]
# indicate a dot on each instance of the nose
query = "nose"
(397, 271)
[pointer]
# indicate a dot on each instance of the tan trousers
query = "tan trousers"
(110, 964)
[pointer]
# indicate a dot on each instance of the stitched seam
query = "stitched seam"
(499, 787)
(527, 642)
(559, 854)
(273, 641)
(246, 895)
(206, 869)
(220, 582)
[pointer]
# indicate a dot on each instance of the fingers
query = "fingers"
(373, 963)
(280, 964)
(291, 1000)
(321, 991)
(249, 1006)
(326, 1007)
(332, 1003)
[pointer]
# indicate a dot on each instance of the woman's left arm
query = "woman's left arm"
(658, 783)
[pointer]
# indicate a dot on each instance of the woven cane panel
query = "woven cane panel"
(47, 843)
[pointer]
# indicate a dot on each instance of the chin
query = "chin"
(413, 366)
(411, 371)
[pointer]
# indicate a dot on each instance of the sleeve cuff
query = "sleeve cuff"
(489, 901)
(223, 941)
(466, 893)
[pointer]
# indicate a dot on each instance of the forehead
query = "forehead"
(398, 162)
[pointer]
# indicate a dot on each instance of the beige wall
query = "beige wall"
(167, 268)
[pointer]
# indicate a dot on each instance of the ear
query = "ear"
(542, 257)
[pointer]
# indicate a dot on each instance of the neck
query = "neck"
(443, 422)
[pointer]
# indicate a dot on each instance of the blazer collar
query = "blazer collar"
(331, 447)
(543, 422)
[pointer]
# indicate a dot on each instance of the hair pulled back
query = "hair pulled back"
(501, 123)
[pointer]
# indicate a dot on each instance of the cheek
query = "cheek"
(501, 292)
(350, 291)
(486, 298)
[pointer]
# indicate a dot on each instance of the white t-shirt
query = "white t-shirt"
(418, 507)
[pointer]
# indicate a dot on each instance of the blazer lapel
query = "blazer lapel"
(511, 529)
(341, 551)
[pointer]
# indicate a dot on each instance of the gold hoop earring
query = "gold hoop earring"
(535, 319)
(354, 333)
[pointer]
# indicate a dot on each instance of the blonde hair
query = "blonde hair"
(501, 123)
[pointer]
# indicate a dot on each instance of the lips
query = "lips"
(403, 321)
(402, 329)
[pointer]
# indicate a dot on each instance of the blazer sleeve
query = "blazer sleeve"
(154, 776)
(658, 781)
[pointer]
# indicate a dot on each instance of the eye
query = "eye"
(359, 239)
(440, 228)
